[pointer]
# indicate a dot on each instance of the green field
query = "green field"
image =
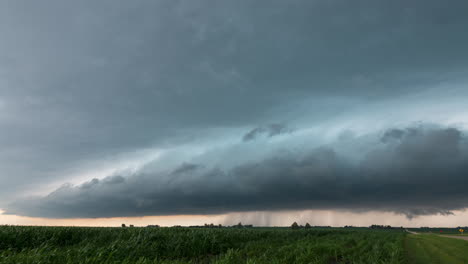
(225, 245)
(192, 245)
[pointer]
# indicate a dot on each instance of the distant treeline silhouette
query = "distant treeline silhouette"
(294, 225)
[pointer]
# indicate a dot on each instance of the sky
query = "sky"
(331, 112)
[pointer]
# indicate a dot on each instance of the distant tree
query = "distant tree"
(295, 226)
(132, 226)
(307, 226)
(123, 225)
(239, 224)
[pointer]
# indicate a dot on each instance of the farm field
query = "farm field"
(199, 245)
(226, 245)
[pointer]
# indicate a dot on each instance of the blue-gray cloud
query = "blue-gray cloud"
(270, 130)
(422, 170)
(81, 82)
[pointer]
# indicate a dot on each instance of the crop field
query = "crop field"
(227, 245)
(199, 245)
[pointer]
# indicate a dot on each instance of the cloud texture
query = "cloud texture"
(413, 171)
(89, 89)
(269, 130)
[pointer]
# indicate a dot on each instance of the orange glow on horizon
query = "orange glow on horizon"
(183, 220)
(284, 218)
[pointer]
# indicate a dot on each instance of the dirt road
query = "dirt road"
(414, 233)
(459, 237)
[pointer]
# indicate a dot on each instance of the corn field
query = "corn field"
(198, 245)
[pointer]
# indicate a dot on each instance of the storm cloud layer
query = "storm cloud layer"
(413, 171)
(269, 130)
(159, 99)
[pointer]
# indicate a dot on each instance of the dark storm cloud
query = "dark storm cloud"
(269, 130)
(82, 81)
(422, 171)
(185, 168)
(392, 134)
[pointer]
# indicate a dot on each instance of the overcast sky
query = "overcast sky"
(218, 108)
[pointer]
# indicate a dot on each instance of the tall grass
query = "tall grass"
(192, 245)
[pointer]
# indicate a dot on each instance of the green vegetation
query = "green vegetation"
(199, 245)
(426, 248)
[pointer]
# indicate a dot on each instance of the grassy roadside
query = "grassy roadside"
(427, 248)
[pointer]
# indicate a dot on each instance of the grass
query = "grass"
(193, 245)
(428, 248)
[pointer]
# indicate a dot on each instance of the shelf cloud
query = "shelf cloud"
(414, 171)
(205, 107)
